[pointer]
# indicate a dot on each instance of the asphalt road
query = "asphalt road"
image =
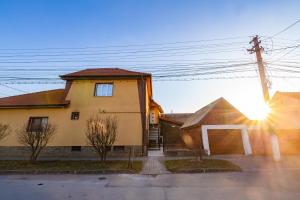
(262, 185)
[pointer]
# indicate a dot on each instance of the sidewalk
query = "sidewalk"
(153, 164)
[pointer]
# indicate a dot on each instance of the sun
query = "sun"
(259, 111)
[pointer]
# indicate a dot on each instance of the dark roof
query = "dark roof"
(175, 118)
(197, 117)
(50, 98)
(103, 72)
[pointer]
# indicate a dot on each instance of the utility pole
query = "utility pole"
(265, 88)
(261, 68)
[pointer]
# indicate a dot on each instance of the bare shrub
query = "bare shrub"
(36, 140)
(4, 131)
(101, 133)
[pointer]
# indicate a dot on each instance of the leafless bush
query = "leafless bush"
(101, 133)
(4, 131)
(36, 140)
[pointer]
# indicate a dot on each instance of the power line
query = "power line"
(16, 89)
(285, 29)
(203, 46)
(288, 47)
(128, 45)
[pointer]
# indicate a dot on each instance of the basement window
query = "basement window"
(108, 148)
(37, 124)
(104, 89)
(75, 116)
(76, 148)
(119, 148)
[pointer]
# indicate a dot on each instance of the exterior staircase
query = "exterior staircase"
(154, 138)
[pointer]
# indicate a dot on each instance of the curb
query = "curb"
(40, 172)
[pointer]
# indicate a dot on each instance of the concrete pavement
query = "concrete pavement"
(262, 179)
(153, 165)
(259, 185)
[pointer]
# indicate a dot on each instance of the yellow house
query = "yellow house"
(106, 91)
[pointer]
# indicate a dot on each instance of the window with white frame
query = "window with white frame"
(104, 90)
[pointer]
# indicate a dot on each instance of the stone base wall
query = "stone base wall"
(65, 153)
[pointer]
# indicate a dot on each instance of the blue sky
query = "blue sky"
(71, 24)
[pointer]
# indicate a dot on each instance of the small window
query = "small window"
(119, 148)
(37, 124)
(104, 90)
(76, 148)
(75, 116)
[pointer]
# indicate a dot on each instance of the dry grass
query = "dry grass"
(206, 165)
(69, 166)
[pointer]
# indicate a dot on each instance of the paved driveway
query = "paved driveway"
(265, 183)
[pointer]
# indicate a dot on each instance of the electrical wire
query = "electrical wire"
(285, 29)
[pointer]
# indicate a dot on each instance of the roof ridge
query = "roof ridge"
(103, 72)
(195, 119)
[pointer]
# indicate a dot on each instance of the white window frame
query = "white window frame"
(105, 90)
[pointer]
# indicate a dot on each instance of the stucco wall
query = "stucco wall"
(124, 104)
(285, 114)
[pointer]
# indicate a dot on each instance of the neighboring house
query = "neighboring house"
(154, 131)
(170, 130)
(285, 118)
(106, 91)
(218, 128)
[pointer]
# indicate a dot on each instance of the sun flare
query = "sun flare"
(258, 111)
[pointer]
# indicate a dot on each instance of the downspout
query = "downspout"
(142, 100)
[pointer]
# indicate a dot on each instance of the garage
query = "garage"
(225, 142)
(219, 128)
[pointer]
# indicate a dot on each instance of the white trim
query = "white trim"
(275, 147)
(244, 133)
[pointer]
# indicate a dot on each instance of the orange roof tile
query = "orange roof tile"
(54, 98)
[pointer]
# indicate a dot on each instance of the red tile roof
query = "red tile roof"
(103, 72)
(50, 98)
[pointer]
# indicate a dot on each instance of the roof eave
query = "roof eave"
(62, 105)
(64, 77)
(190, 127)
(171, 121)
